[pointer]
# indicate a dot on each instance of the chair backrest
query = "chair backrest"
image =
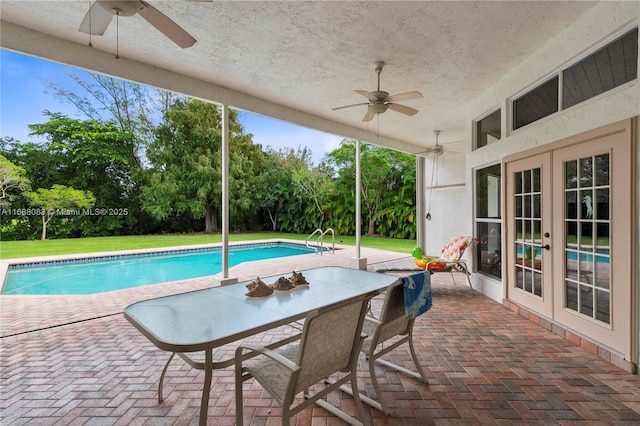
(331, 340)
(393, 320)
(454, 249)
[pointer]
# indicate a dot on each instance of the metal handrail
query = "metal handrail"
(320, 240)
(317, 231)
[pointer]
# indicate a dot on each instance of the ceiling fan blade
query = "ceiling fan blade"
(166, 26)
(405, 96)
(403, 109)
(367, 95)
(96, 21)
(368, 116)
(349, 106)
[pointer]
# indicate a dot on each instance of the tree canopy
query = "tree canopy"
(154, 158)
(60, 200)
(13, 181)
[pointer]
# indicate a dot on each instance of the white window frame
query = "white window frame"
(474, 144)
(558, 72)
(476, 266)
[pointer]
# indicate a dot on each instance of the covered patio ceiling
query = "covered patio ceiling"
(296, 60)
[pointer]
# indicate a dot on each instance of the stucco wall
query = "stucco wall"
(450, 201)
(600, 24)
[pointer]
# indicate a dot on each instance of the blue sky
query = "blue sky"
(23, 98)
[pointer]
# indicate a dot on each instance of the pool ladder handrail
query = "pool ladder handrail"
(320, 240)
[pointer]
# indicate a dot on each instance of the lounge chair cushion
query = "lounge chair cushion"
(453, 251)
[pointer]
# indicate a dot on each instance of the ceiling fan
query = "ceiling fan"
(437, 149)
(380, 101)
(101, 12)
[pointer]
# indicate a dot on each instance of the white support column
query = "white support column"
(358, 262)
(421, 236)
(224, 279)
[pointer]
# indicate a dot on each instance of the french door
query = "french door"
(569, 234)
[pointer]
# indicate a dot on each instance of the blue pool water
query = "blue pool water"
(89, 276)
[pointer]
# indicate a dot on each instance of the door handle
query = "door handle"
(546, 247)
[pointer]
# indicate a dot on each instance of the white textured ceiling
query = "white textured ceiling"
(309, 56)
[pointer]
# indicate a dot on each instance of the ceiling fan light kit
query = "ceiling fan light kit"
(122, 8)
(380, 101)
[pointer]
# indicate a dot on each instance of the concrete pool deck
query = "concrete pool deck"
(27, 313)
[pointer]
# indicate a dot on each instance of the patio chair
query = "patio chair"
(404, 300)
(330, 343)
(450, 258)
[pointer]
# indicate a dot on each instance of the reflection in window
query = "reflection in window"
(488, 220)
(488, 129)
(536, 104)
(609, 67)
(528, 222)
(587, 251)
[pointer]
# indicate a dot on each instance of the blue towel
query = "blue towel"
(417, 294)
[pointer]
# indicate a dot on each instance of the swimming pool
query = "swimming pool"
(97, 275)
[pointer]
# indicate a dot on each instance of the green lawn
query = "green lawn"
(15, 249)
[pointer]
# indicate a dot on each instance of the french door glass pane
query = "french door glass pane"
(526, 181)
(535, 176)
(586, 300)
(537, 208)
(602, 170)
(586, 173)
(601, 207)
(571, 174)
(572, 295)
(571, 208)
(602, 306)
(602, 272)
(586, 236)
(518, 182)
(586, 212)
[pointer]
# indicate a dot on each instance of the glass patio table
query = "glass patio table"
(203, 320)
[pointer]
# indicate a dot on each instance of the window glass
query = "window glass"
(488, 129)
(488, 189)
(609, 67)
(536, 104)
(488, 192)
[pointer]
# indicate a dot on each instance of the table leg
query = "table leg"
(206, 391)
(161, 383)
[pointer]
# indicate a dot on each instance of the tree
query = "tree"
(316, 185)
(59, 200)
(12, 178)
(102, 98)
(186, 165)
(276, 185)
(385, 174)
(87, 155)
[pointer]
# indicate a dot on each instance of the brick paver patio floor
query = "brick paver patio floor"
(76, 361)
